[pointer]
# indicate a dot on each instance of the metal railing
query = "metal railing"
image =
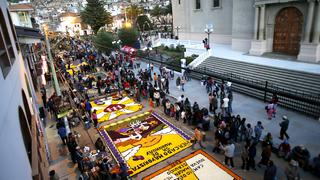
(264, 90)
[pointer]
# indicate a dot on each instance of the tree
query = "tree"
(95, 15)
(103, 41)
(144, 23)
(157, 11)
(128, 36)
(133, 12)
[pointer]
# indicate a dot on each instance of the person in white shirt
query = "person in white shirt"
(183, 116)
(225, 105)
(228, 153)
(181, 99)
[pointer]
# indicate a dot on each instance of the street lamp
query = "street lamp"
(208, 30)
(177, 28)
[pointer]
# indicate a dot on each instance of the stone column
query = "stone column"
(316, 31)
(256, 22)
(262, 22)
(309, 21)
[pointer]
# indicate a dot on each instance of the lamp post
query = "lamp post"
(208, 30)
(53, 70)
(177, 28)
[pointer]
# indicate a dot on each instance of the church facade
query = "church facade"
(290, 27)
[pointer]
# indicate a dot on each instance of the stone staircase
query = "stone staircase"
(301, 84)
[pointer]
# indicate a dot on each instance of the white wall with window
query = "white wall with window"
(21, 18)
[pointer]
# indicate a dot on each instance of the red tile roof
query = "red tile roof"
(20, 7)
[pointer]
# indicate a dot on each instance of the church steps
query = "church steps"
(299, 83)
(269, 75)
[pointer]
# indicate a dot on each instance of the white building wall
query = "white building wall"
(193, 22)
(16, 20)
(242, 24)
(14, 159)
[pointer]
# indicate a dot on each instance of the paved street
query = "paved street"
(303, 129)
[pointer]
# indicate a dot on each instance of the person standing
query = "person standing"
(177, 110)
(156, 96)
(292, 171)
(245, 156)
(249, 133)
(210, 102)
(178, 82)
(284, 127)
(88, 107)
(53, 175)
(252, 151)
(198, 136)
(183, 116)
(271, 171)
(182, 82)
(167, 85)
(228, 153)
(155, 79)
(94, 118)
(72, 144)
(63, 134)
(258, 131)
(225, 105)
(265, 156)
(44, 96)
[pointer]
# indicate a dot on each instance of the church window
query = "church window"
(198, 5)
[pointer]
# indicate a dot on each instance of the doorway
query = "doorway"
(287, 31)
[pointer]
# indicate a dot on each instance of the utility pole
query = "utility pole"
(53, 70)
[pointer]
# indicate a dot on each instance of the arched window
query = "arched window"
(25, 132)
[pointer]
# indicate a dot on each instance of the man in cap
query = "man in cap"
(284, 127)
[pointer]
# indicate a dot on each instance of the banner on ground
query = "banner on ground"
(112, 107)
(144, 140)
(198, 165)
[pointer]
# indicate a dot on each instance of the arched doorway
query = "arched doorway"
(25, 132)
(287, 31)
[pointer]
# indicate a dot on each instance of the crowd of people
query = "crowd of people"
(147, 85)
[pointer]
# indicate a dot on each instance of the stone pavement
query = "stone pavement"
(253, 110)
(303, 129)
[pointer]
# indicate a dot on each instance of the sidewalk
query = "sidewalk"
(303, 130)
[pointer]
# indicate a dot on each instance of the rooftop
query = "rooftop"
(20, 7)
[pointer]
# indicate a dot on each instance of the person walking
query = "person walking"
(228, 153)
(292, 171)
(270, 108)
(271, 171)
(63, 134)
(284, 127)
(198, 136)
